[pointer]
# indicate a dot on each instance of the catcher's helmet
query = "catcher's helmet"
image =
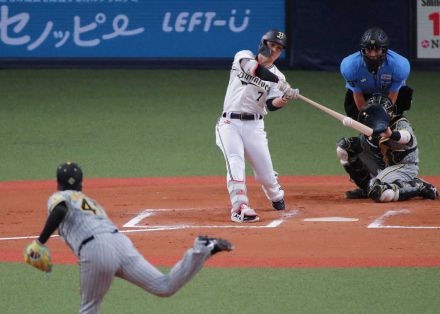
(272, 35)
(372, 39)
(69, 176)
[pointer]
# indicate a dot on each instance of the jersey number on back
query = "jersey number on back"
(85, 206)
(91, 207)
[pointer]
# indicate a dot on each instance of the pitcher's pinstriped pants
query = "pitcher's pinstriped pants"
(113, 254)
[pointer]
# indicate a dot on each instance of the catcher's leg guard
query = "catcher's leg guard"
(383, 192)
(347, 150)
(426, 190)
(237, 193)
(408, 190)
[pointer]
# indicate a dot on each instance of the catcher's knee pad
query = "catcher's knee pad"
(348, 148)
(383, 192)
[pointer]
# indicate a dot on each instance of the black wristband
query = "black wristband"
(395, 136)
(270, 106)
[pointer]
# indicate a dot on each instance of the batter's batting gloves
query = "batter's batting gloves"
(291, 93)
(283, 86)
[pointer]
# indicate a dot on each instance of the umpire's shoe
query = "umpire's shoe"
(279, 205)
(356, 194)
(215, 244)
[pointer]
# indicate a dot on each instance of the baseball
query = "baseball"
(347, 121)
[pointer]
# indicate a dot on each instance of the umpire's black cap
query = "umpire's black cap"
(69, 176)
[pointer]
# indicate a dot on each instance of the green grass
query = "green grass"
(244, 290)
(140, 123)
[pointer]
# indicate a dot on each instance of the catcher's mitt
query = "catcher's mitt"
(376, 117)
(38, 256)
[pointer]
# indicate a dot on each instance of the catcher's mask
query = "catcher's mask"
(272, 35)
(69, 176)
(373, 39)
(385, 102)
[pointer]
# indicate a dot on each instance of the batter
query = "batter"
(255, 87)
(103, 252)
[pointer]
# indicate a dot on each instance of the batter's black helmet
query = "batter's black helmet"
(375, 113)
(69, 176)
(384, 102)
(272, 35)
(374, 38)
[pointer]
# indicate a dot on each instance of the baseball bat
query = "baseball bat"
(346, 121)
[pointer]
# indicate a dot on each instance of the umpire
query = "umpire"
(375, 69)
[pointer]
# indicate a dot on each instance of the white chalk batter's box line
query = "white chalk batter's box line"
(150, 212)
(133, 223)
(378, 223)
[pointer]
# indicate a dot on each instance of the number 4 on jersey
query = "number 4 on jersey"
(86, 206)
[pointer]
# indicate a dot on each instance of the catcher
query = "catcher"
(390, 175)
(102, 251)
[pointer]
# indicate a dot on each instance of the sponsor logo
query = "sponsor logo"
(430, 3)
(433, 43)
(386, 77)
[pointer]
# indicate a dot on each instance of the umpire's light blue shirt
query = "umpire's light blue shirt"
(390, 77)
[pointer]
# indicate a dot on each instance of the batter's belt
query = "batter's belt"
(242, 116)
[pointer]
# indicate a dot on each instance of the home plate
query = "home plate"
(331, 219)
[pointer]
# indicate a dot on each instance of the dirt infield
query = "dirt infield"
(319, 228)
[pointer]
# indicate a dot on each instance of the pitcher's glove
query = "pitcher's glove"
(38, 256)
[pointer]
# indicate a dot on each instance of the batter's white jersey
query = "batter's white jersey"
(247, 93)
(84, 217)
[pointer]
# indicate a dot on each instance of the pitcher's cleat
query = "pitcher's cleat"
(215, 244)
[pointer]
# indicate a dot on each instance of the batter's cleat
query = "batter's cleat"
(279, 205)
(244, 214)
(215, 244)
(429, 191)
(356, 194)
